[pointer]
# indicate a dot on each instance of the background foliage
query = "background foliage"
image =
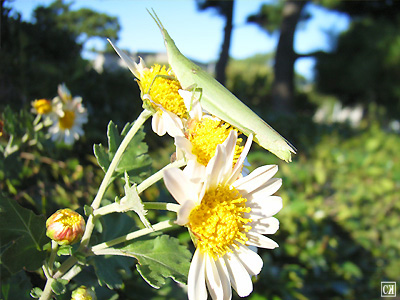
(339, 234)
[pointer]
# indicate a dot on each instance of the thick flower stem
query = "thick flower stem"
(107, 177)
(157, 176)
(116, 207)
(133, 235)
(71, 261)
(54, 248)
(161, 206)
(47, 292)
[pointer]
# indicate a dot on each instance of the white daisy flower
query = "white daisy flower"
(159, 88)
(226, 214)
(68, 117)
(202, 133)
(63, 93)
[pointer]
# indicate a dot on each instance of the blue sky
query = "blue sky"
(199, 34)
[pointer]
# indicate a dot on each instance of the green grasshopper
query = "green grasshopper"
(220, 102)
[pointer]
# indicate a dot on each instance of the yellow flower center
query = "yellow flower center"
(206, 135)
(69, 219)
(218, 221)
(67, 121)
(42, 106)
(163, 89)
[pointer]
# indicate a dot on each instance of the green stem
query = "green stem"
(54, 248)
(157, 176)
(116, 207)
(47, 292)
(72, 260)
(75, 270)
(107, 177)
(161, 206)
(159, 226)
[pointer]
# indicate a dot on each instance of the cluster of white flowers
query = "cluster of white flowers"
(226, 212)
(64, 114)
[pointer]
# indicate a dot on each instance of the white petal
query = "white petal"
(129, 62)
(268, 189)
(173, 124)
(186, 146)
(157, 124)
(220, 165)
(180, 187)
(240, 278)
(196, 172)
(224, 276)
(264, 207)
(260, 241)
(182, 217)
(265, 226)
(230, 144)
(238, 166)
(68, 138)
(218, 283)
(215, 168)
(196, 279)
(256, 178)
(187, 98)
(250, 260)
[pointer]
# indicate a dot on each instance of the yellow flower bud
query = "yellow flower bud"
(42, 106)
(65, 226)
(83, 293)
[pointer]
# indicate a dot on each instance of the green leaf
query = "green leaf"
(132, 201)
(25, 233)
(15, 287)
(59, 286)
(109, 270)
(159, 259)
(36, 292)
(64, 250)
(135, 160)
(101, 156)
(18, 123)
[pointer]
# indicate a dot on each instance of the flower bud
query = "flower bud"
(65, 226)
(42, 106)
(83, 293)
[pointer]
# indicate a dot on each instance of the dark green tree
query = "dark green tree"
(225, 9)
(365, 66)
(37, 56)
(285, 17)
(84, 23)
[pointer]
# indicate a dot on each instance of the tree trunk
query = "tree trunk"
(220, 68)
(285, 57)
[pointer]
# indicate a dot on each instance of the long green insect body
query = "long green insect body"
(219, 101)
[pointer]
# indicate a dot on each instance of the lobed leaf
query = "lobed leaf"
(135, 160)
(109, 270)
(158, 259)
(25, 233)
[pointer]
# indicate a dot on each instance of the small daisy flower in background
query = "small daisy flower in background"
(68, 117)
(225, 214)
(159, 88)
(63, 93)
